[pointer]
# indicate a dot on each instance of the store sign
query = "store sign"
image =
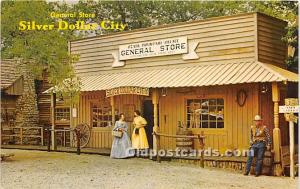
(127, 90)
(288, 109)
(170, 46)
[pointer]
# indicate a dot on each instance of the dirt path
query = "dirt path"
(37, 169)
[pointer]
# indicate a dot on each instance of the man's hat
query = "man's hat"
(257, 118)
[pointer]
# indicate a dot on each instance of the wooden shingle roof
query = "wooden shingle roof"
(10, 73)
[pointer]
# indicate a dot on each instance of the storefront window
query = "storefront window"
(205, 113)
(62, 114)
(101, 115)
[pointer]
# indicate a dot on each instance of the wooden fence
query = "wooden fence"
(23, 132)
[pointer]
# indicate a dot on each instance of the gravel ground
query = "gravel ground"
(38, 169)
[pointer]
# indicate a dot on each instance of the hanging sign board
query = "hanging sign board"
(288, 109)
(170, 46)
(74, 112)
(127, 90)
(291, 102)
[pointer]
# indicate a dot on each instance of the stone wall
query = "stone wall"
(27, 114)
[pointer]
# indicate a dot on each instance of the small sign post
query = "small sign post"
(291, 107)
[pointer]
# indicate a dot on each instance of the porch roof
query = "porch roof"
(9, 73)
(190, 76)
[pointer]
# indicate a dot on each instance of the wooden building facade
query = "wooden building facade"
(233, 68)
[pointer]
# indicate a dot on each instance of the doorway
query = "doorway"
(149, 116)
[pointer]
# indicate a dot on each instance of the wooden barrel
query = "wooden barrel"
(184, 143)
(267, 164)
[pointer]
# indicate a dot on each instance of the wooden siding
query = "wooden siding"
(172, 109)
(101, 137)
(271, 48)
(16, 88)
(225, 39)
(237, 119)
(44, 100)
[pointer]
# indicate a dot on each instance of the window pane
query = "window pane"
(101, 116)
(212, 118)
(205, 113)
(212, 102)
(204, 117)
(220, 101)
(220, 124)
(212, 124)
(204, 124)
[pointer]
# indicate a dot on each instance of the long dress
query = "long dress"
(121, 147)
(139, 141)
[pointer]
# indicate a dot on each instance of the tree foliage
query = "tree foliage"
(44, 50)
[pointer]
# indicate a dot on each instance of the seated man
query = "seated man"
(259, 140)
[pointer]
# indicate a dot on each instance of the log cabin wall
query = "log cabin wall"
(43, 100)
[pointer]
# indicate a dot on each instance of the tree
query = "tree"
(42, 49)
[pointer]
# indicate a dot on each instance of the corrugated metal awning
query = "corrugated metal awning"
(190, 76)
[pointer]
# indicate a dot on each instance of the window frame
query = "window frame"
(100, 104)
(62, 122)
(207, 130)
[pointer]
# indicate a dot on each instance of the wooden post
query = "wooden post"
(113, 112)
(64, 137)
(155, 114)
(201, 141)
(78, 137)
(42, 136)
(157, 137)
(276, 130)
(291, 118)
(71, 115)
(292, 150)
(53, 102)
(71, 123)
(21, 135)
(49, 139)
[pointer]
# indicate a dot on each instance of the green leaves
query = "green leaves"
(44, 50)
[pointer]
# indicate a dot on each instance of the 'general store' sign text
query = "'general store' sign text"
(163, 47)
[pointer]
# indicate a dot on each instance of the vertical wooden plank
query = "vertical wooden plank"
(234, 121)
(162, 125)
(229, 115)
(106, 139)
(244, 132)
(239, 123)
(215, 141)
(102, 140)
(96, 140)
(172, 118)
